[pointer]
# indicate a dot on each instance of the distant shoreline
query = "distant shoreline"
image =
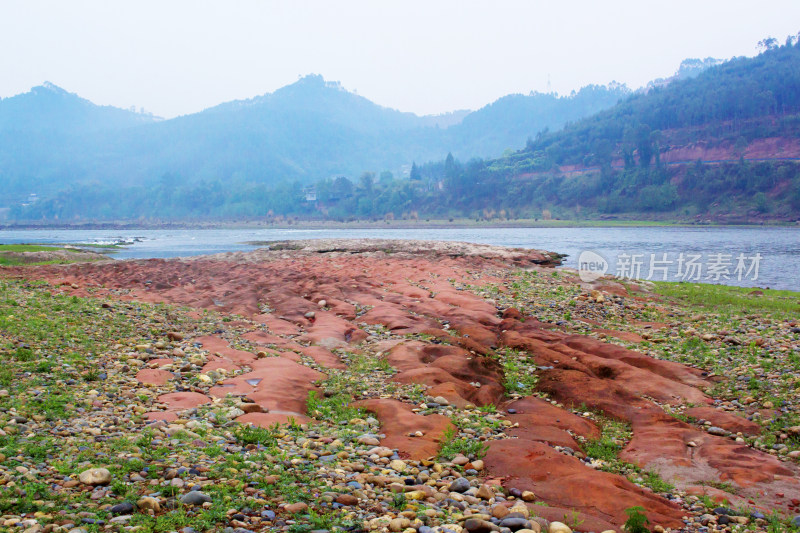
(382, 224)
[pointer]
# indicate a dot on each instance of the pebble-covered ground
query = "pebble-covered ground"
(93, 438)
(78, 454)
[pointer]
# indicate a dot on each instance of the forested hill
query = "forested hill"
(724, 145)
(58, 145)
(49, 136)
(49, 108)
(510, 120)
(721, 103)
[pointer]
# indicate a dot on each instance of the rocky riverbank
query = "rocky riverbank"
(379, 385)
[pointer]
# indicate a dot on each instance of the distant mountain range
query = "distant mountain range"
(51, 140)
(63, 157)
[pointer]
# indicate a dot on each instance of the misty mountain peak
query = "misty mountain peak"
(317, 81)
(49, 89)
(313, 86)
(52, 87)
(48, 107)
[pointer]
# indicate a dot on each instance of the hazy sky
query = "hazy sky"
(178, 57)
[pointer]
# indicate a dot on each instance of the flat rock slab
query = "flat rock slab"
(450, 369)
(263, 338)
(321, 355)
(216, 345)
(275, 383)
(154, 376)
(276, 325)
(166, 416)
(662, 443)
(220, 363)
(564, 481)
(327, 328)
(398, 422)
(725, 420)
(178, 401)
(535, 412)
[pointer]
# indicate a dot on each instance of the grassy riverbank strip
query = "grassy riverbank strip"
(52, 254)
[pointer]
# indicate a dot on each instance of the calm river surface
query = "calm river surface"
(752, 257)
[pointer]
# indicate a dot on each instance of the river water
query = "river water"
(744, 256)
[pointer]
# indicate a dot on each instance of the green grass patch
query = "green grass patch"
(334, 409)
(728, 300)
(452, 445)
(603, 448)
(249, 434)
(22, 248)
(10, 255)
(656, 483)
(637, 521)
(518, 376)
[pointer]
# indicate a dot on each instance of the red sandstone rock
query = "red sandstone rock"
(266, 420)
(178, 401)
(449, 391)
(220, 363)
(166, 416)
(277, 384)
(277, 325)
(215, 345)
(398, 422)
(154, 377)
(321, 355)
(263, 338)
(564, 481)
(661, 442)
(533, 413)
(397, 320)
(442, 365)
(725, 420)
(251, 408)
(627, 336)
(328, 327)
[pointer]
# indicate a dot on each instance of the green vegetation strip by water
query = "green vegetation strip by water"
(46, 254)
(21, 248)
(728, 300)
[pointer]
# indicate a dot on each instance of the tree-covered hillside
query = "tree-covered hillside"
(721, 103)
(510, 120)
(49, 136)
(724, 145)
